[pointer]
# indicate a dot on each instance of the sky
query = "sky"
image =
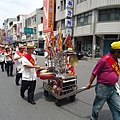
(12, 8)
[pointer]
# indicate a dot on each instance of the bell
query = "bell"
(73, 60)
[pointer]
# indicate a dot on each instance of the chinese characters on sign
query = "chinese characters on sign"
(69, 15)
(69, 3)
(68, 31)
(28, 30)
(48, 15)
(68, 22)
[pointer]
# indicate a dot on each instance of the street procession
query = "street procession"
(58, 73)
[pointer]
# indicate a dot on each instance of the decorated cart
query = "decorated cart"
(59, 78)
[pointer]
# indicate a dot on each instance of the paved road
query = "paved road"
(13, 107)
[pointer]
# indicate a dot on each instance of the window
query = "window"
(109, 14)
(63, 4)
(79, 1)
(84, 19)
(63, 24)
(28, 22)
(41, 19)
(34, 30)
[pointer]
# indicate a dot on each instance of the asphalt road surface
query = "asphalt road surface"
(13, 107)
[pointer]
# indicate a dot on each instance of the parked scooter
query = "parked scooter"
(89, 54)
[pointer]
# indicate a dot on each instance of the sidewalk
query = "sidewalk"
(90, 58)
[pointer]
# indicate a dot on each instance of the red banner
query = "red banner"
(32, 61)
(48, 15)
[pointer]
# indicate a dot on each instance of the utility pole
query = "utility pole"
(94, 36)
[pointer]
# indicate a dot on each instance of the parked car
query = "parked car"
(39, 51)
(79, 54)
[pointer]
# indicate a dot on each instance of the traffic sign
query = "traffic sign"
(28, 30)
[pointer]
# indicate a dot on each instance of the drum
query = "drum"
(47, 75)
(40, 71)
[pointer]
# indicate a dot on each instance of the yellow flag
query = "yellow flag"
(60, 41)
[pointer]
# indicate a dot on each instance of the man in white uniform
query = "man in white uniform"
(9, 61)
(49, 54)
(2, 57)
(18, 61)
(29, 74)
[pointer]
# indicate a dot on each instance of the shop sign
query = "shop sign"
(68, 22)
(28, 30)
(69, 4)
(48, 15)
(69, 13)
(68, 31)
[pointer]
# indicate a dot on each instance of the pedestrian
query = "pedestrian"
(9, 61)
(107, 72)
(2, 57)
(70, 68)
(18, 61)
(49, 55)
(29, 74)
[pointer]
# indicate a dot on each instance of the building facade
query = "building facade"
(95, 23)
(20, 27)
(32, 21)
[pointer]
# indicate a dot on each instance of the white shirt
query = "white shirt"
(2, 57)
(46, 59)
(7, 58)
(28, 74)
(49, 62)
(18, 63)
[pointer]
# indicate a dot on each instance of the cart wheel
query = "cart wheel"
(57, 102)
(72, 98)
(45, 93)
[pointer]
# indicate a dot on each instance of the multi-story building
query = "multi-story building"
(20, 27)
(32, 21)
(12, 30)
(95, 23)
(7, 28)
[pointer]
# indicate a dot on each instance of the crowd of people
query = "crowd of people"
(25, 67)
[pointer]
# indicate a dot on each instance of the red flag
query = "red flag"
(52, 38)
(68, 41)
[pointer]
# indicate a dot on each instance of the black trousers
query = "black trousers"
(9, 67)
(2, 65)
(18, 76)
(30, 86)
(5, 66)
